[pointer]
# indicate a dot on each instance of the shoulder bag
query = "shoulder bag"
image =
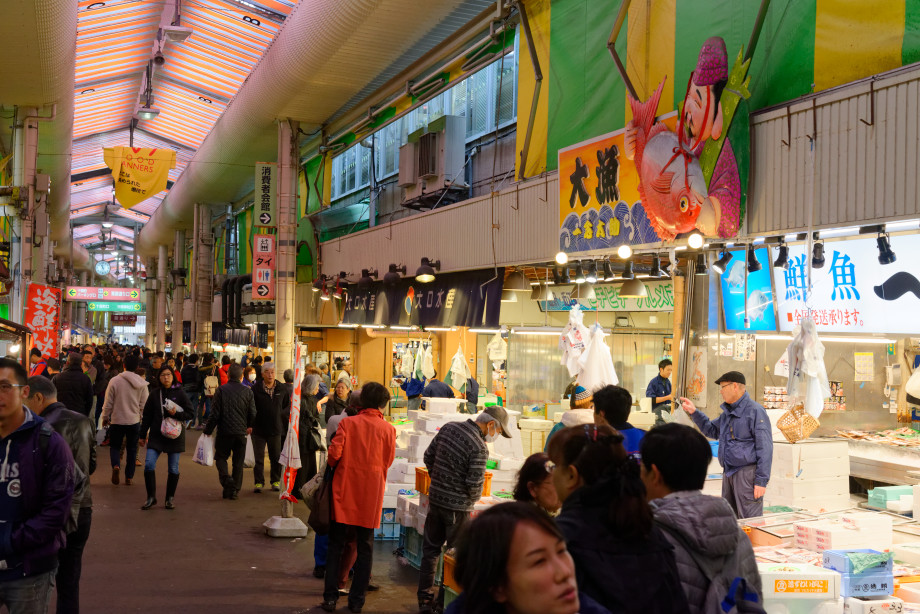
(170, 428)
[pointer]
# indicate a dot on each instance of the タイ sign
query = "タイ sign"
(86, 293)
(266, 209)
(263, 267)
(107, 306)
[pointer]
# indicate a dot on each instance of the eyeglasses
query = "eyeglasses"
(728, 384)
(5, 387)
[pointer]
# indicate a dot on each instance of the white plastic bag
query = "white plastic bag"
(912, 387)
(250, 460)
(596, 363)
(428, 364)
(459, 371)
(204, 451)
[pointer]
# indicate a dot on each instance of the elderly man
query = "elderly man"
(273, 401)
(745, 444)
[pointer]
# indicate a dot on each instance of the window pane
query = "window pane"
(338, 175)
(350, 170)
(505, 100)
(479, 120)
(458, 99)
(364, 166)
(392, 148)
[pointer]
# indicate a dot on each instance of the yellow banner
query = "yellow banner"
(139, 172)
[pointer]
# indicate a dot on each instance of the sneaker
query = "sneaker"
(115, 479)
(372, 587)
(105, 443)
(319, 571)
(128, 482)
(343, 592)
(137, 462)
(258, 488)
(276, 486)
(234, 495)
(328, 606)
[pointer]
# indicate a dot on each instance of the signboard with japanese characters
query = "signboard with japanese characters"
(266, 210)
(42, 317)
(112, 306)
(124, 319)
(607, 298)
(263, 267)
(84, 293)
(852, 292)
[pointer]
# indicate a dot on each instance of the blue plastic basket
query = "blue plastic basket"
(389, 529)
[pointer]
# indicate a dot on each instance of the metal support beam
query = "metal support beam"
(162, 272)
(151, 306)
(286, 281)
(202, 279)
(25, 158)
(178, 306)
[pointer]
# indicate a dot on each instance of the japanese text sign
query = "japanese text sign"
(107, 306)
(852, 292)
(42, 317)
(84, 293)
(263, 267)
(265, 212)
(124, 319)
(607, 298)
(139, 172)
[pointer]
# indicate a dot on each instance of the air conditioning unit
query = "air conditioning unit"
(433, 159)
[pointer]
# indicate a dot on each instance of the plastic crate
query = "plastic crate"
(389, 529)
(449, 596)
(410, 542)
(487, 485)
(449, 582)
(422, 480)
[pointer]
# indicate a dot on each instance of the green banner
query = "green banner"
(103, 306)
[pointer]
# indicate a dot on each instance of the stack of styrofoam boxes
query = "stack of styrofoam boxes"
(407, 508)
(875, 581)
(800, 589)
(857, 530)
(813, 474)
(533, 434)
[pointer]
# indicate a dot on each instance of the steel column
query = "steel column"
(286, 282)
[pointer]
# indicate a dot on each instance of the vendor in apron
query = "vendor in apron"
(659, 390)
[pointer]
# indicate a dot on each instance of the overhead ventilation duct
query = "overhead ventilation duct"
(239, 282)
(225, 301)
(301, 77)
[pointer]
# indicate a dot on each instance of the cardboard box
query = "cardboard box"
(872, 605)
(787, 581)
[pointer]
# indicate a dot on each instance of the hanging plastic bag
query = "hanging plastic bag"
(406, 363)
(427, 364)
(596, 363)
(417, 371)
(573, 341)
(459, 371)
(912, 387)
(204, 451)
(498, 350)
(781, 368)
(249, 461)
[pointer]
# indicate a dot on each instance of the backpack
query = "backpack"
(726, 593)
(80, 480)
(211, 384)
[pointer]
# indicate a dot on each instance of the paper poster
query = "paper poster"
(727, 349)
(781, 368)
(864, 364)
(745, 347)
(696, 387)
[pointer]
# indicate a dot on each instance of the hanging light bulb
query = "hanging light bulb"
(624, 251)
(695, 240)
(562, 258)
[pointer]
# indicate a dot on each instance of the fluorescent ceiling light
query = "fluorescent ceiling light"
(485, 331)
(902, 225)
(372, 326)
(838, 232)
(349, 325)
(534, 330)
(402, 327)
(440, 329)
(176, 34)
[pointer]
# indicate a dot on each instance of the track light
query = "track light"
(624, 251)
(701, 264)
(393, 275)
(158, 58)
(325, 293)
(695, 240)
(425, 273)
(580, 274)
(817, 256)
(557, 277)
(885, 255)
(319, 283)
(565, 278)
(753, 264)
(721, 264)
(656, 267)
(591, 273)
(367, 277)
(782, 257)
(339, 292)
(608, 271)
(562, 258)
(628, 270)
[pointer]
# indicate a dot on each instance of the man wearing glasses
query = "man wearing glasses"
(36, 488)
(745, 444)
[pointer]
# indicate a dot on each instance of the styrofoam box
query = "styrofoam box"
(535, 424)
(838, 560)
(908, 553)
(872, 605)
(812, 504)
(790, 454)
(867, 584)
(442, 406)
(786, 581)
(389, 502)
(916, 508)
(902, 506)
(909, 592)
(795, 606)
(817, 487)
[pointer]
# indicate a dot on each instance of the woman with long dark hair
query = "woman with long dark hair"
(535, 484)
(166, 400)
(621, 559)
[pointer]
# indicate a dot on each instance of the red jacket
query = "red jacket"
(362, 451)
(223, 374)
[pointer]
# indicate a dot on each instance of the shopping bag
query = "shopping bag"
(250, 460)
(321, 505)
(308, 490)
(204, 452)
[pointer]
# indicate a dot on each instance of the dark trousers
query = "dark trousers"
(441, 526)
(274, 453)
(338, 537)
(224, 447)
(100, 399)
(129, 433)
(738, 490)
(70, 565)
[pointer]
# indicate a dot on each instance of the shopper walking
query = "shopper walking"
(535, 484)
(273, 402)
(456, 461)
(80, 434)
(166, 400)
(103, 375)
(232, 414)
(703, 529)
(75, 390)
(191, 386)
(38, 364)
(361, 452)
(121, 412)
(745, 444)
(38, 465)
(622, 560)
(512, 559)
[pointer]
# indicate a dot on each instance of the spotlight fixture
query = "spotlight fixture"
(147, 112)
(580, 274)
(817, 256)
(517, 282)
(721, 264)
(701, 264)
(885, 255)
(325, 294)
(656, 267)
(633, 288)
(158, 58)
(176, 34)
(425, 273)
(666, 269)
(562, 258)
(624, 251)
(591, 273)
(753, 264)
(319, 283)
(339, 292)
(367, 277)
(565, 278)
(628, 271)
(393, 275)
(608, 271)
(782, 257)
(509, 296)
(557, 277)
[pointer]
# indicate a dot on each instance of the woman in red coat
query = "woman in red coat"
(361, 452)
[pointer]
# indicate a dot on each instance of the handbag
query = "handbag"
(315, 440)
(170, 428)
(321, 512)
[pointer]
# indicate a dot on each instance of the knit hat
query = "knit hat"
(712, 65)
(581, 398)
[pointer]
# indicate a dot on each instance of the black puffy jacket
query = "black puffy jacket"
(75, 390)
(80, 434)
(271, 409)
(153, 419)
(233, 410)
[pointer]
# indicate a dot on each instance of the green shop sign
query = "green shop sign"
(102, 306)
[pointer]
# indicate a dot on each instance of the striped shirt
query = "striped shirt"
(456, 461)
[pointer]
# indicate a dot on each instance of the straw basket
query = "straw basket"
(796, 424)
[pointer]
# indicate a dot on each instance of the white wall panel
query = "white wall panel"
(526, 219)
(854, 173)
